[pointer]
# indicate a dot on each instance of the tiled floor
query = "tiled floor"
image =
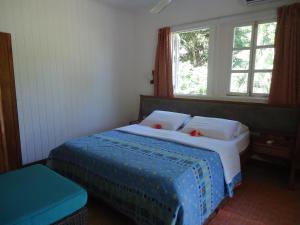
(100, 214)
(263, 199)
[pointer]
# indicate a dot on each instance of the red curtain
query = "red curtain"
(162, 75)
(285, 86)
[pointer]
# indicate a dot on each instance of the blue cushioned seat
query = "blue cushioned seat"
(37, 195)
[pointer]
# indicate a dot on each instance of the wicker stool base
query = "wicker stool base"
(80, 217)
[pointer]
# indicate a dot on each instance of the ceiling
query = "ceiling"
(131, 4)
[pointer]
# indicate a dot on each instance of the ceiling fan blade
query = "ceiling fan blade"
(160, 6)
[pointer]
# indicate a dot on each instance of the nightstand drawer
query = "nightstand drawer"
(272, 150)
(277, 148)
(262, 149)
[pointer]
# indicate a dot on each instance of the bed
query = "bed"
(155, 176)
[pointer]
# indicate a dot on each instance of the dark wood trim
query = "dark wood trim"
(3, 146)
(140, 109)
(295, 160)
(217, 101)
(10, 123)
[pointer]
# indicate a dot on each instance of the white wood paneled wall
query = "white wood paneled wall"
(73, 69)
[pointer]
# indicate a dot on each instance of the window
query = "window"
(225, 58)
(252, 59)
(191, 56)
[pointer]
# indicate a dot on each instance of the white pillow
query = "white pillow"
(167, 120)
(213, 127)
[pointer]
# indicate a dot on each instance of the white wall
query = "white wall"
(178, 13)
(73, 69)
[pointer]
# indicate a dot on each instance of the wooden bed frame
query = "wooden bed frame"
(262, 120)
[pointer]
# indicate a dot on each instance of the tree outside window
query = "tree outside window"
(191, 62)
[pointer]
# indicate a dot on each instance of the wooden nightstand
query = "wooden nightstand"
(277, 146)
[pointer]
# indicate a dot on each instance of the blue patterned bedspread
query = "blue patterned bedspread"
(152, 181)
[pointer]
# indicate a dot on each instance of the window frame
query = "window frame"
(220, 54)
(251, 70)
(211, 43)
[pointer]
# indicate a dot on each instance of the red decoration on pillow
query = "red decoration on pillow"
(196, 133)
(157, 126)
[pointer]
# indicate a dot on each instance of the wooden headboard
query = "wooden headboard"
(263, 120)
(257, 116)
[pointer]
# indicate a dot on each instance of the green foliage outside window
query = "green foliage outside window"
(193, 53)
(193, 62)
(195, 44)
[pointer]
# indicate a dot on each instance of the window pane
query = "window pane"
(240, 59)
(262, 82)
(242, 36)
(239, 82)
(264, 58)
(266, 33)
(191, 64)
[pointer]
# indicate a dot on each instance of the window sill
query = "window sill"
(227, 98)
